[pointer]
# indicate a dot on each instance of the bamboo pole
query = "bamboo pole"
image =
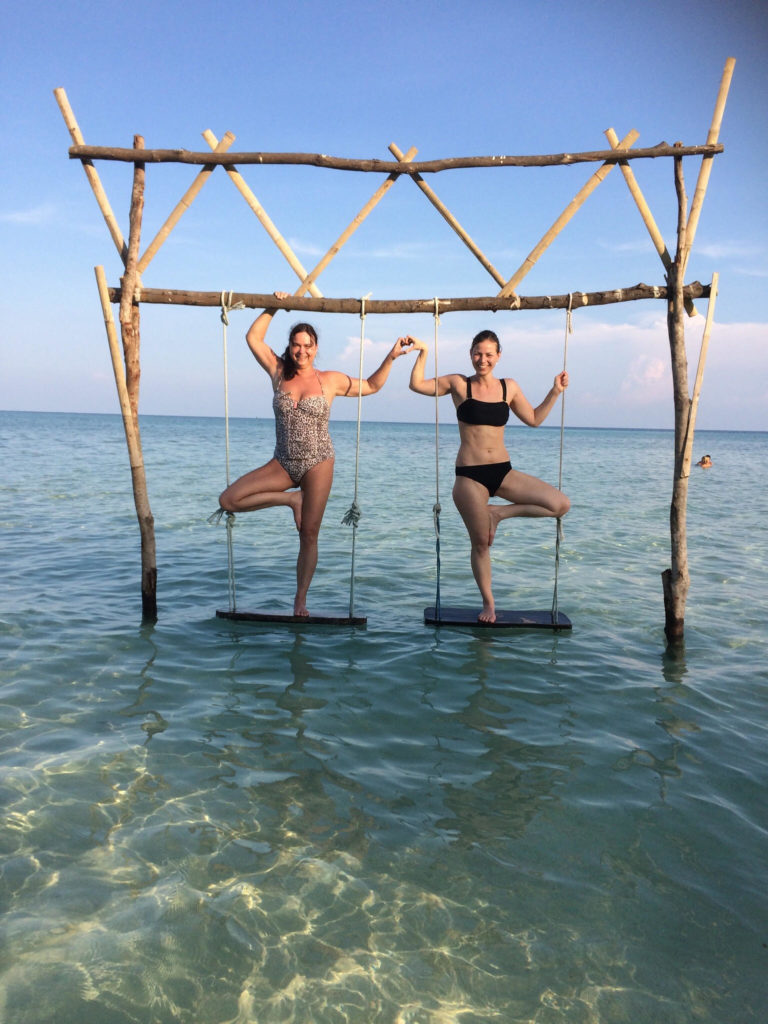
(488, 304)
(263, 217)
(645, 211)
(450, 219)
(186, 156)
(136, 459)
(91, 174)
(676, 579)
(344, 237)
(579, 199)
(182, 206)
(639, 198)
(694, 406)
(706, 164)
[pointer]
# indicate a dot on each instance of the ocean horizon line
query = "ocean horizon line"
(412, 423)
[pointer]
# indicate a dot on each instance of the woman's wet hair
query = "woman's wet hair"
(289, 367)
(486, 336)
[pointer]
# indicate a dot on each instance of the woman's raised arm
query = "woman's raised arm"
(264, 355)
(417, 382)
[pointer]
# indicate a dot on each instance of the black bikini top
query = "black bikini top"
(486, 414)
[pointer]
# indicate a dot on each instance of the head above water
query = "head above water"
(485, 336)
(289, 365)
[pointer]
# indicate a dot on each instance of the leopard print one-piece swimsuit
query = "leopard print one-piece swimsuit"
(301, 430)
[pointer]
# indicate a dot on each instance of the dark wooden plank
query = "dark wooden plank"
(504, 619)
(294, 620)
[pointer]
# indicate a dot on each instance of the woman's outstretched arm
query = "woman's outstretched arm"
(350, 387)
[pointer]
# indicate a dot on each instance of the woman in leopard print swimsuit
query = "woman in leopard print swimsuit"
(303, 455)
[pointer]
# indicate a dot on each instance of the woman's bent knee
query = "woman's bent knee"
(226, 502)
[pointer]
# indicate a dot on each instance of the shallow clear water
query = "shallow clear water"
(211, 822)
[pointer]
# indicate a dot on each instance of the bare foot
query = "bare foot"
(300, 608)
(297, 500)
(488, 614)
(494, 518)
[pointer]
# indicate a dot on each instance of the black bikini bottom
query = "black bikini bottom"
(490, 475)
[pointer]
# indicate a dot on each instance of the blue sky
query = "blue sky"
(453, 79)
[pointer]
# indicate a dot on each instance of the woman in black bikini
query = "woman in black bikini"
(483, 468)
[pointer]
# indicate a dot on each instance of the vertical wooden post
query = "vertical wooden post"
(129, 328)
(135, 456)
(676, 580)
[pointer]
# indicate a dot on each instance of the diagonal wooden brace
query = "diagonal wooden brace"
(444, 212)
(706, 161)
(344, 237)
(579, 199)
(645, 211)
(262, 216)
(183, 205)
(92, 175)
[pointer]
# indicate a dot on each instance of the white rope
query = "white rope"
(226, 307)
(559, 527)
(353, 514)
(436, 509)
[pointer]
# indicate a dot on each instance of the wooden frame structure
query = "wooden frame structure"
(679, 296)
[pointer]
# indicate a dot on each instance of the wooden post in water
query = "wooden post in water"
(676, 580)
(129, 329)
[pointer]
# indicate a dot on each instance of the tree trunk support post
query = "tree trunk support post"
(130, 331)
(676, 580)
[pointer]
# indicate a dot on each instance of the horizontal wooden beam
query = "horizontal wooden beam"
(338, 163)
(491, 304)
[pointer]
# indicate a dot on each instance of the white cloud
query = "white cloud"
(35, 215)
(752, 271)
(632, 245)
(647, 379)
(305, 248)
(727, 250)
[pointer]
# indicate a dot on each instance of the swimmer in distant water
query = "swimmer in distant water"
(705, 462)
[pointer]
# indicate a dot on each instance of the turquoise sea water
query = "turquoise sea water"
(212, 822)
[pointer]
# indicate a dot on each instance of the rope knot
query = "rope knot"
(227, 306)
(219, 514)
(353, 515)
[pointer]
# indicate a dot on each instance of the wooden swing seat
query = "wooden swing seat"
(294, 620)
(504, 619)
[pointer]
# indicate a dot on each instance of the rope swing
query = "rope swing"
(353, 514)
(436, 508)
(226, 307)
(559, 526)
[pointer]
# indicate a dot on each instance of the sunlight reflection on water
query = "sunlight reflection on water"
(213, 822)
